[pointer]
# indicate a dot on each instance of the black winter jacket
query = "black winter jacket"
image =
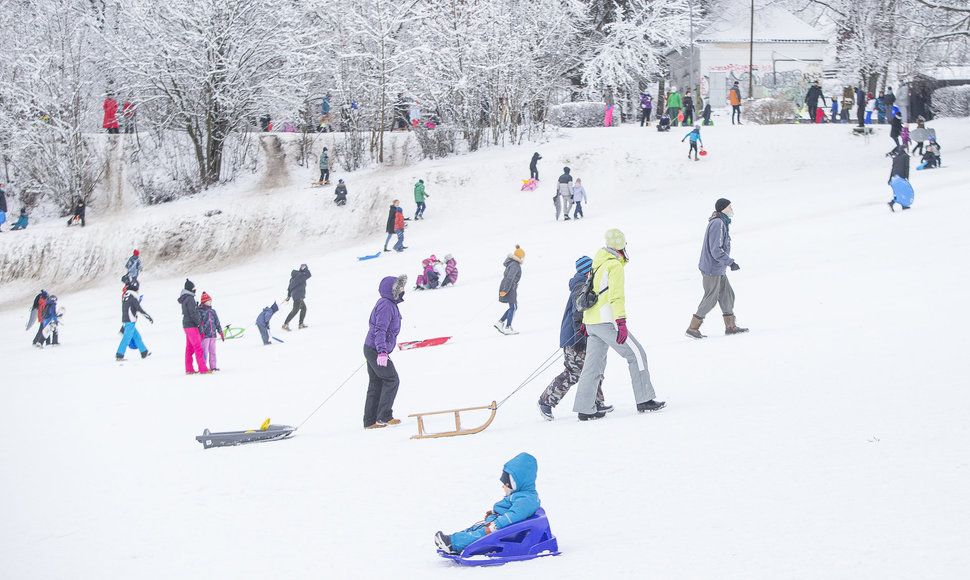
(297, 287)
(190, 310)
(130, 307)
(390, 220)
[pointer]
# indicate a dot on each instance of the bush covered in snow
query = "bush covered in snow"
(770, 111)
(952, 101)
(582, 114)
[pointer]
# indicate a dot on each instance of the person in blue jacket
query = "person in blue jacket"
(520, 503)
(695, 138)
(49, 320)
(262, 322)
(572, 341)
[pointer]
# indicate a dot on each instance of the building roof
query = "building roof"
(771, 24)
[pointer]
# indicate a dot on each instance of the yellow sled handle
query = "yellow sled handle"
(264, 426)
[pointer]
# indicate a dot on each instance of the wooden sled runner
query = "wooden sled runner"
(458, 429)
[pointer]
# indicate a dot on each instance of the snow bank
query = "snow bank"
(581, 114)
(952, 101)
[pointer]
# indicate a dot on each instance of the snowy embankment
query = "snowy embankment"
(829, 442)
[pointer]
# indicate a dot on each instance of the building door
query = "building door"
(717, 89)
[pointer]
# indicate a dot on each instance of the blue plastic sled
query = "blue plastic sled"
(902, 191)
(923, 166)
(525, 540)
(370, 257)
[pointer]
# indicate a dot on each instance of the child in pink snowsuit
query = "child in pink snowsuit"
(211, 329)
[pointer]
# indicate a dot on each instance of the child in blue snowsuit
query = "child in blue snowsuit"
(130, 308)
(520, 503)
(695, 137)
(262, 321)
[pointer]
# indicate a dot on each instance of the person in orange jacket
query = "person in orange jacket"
(734, 96)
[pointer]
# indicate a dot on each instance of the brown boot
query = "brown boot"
(730, 327)
(694, 331)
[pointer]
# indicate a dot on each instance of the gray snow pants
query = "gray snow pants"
(602, 337)
(717, 290)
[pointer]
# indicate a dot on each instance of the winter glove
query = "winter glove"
(287, 299)
(621, 331)
(735, 267)
(149, 318)
(223, 336)
(491, 527)
(582, 330)
(489, 513)
(382, 359)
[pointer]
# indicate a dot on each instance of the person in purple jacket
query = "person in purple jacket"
(384, 325)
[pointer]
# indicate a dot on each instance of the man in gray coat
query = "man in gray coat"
(564, 193)
(714, 262)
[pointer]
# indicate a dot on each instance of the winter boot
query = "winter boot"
(443, 542)
(890, 204)
(694, 331)
(146, 353)
(500, 326)
(602, 407)
(286, 327)
(591, 417)
(730, 327)
(510, 330)
(546, 411)
(377, 425)
(650, 406)
(304, 325)
(119, 356)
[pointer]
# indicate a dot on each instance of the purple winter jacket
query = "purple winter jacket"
(385, 318)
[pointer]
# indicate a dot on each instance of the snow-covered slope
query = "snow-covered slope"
(829, 442)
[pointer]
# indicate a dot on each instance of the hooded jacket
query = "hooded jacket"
(190, 310)
(297, 286)
(507, 289)
(390, 219)
(419, 193)
(579, 193)
(523, 502)
(608, 275)
(569, 330)
(211, 327)
(384, 323)
(265, 316)
(716, 251)
(399, 219)
(130, 307)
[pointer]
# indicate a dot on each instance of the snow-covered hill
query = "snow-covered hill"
(829, 442)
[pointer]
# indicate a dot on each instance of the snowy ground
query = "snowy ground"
(829, 442)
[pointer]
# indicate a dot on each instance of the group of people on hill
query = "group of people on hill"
(114, 123)
(22, 219)
(436, 273)
(569, 195)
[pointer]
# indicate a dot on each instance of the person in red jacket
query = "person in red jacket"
(128, 112)
(399, 230)
(110, 114)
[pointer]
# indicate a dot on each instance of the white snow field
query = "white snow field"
(829, 442)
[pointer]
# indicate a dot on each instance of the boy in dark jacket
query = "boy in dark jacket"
(130, 307)
(192, 325)
(262, 322)
(533, 167)
(520, 503)
(340, 193)
(383, 327)
(572, 341)
(297, 291)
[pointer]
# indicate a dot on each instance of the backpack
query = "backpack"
(588, 296)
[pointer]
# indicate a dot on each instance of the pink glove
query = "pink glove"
(582, 330)
(382, 358)
(621, 331)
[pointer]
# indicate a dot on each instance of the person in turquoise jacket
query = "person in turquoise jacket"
(520, 503)
(695, 138)
(419, 197)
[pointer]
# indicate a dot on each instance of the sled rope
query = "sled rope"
(550, 360)
(331, 394)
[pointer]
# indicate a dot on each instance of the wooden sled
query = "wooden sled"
(458, 430)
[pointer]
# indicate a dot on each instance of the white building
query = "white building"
(787, 56)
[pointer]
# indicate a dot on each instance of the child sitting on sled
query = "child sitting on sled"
(430, 275)
(451, 271)
(931, 157)
(664, 125)
(520, 503)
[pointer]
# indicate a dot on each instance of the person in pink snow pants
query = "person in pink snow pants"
(192, 325)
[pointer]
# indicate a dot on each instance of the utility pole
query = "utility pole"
(751, 56)
(690, 4)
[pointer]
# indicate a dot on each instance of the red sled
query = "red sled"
(703, 152)
(423, 343)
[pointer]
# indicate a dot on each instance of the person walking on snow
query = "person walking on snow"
(734, 97)
(608, 97)
(714, 262)
(688, 102)
(399, 230)
(389, 228)
(900, 168)
(695, 138)
(811, 99)
(521, 502)
(564, 191)
(110, 114)
(192, 326)
(419, 196)
(211, 328)
(605, 325)
(296, 290)
(896, 128)
(324, 167)
(133, 265)
(130, 307)
(579, 198)
(384, 325)
(646, 107)
(533, 168)
(508, 290)
(572, 341)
